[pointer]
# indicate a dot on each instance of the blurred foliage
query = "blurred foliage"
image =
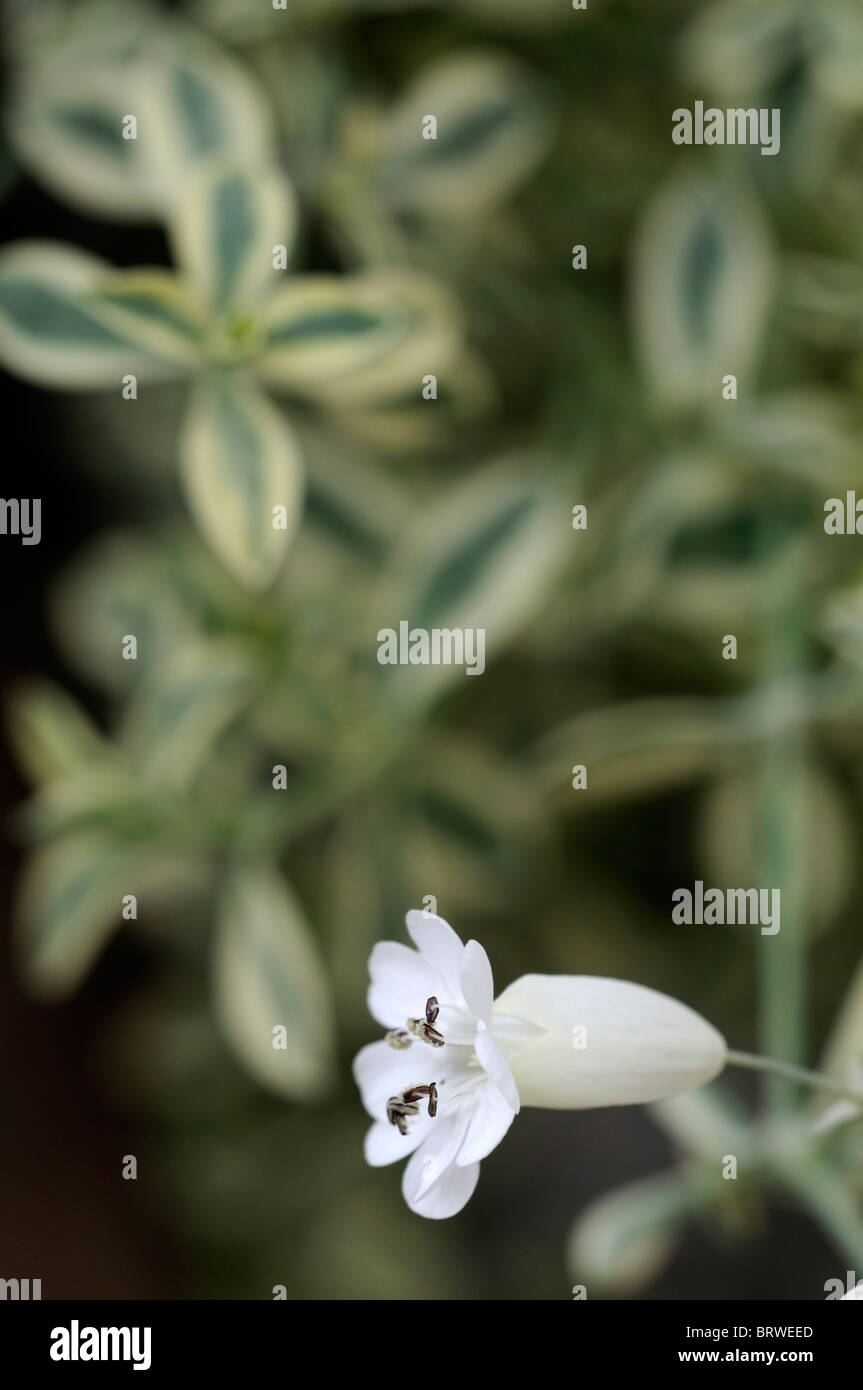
(300, 386)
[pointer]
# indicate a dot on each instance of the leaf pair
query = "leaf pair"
(107, 812)
(267, 970)
(346, 343)
(73, 95)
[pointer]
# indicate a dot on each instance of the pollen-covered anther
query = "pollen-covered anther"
(398, 1110)
(423, 1028)
(400, 1107)
(399, 1038)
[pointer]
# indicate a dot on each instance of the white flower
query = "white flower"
(447, 1081)
(477, 1098)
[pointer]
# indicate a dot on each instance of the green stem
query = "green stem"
(783, 824)
(801, 1075)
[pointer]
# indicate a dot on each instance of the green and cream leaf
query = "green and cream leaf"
(243, 477)
(268, 976)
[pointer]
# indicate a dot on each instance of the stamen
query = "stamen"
(423, 1030)
(398, 1109)
(398, 1038)
(414, 1092)
(401, 1106)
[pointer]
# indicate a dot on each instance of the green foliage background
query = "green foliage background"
(256, 648)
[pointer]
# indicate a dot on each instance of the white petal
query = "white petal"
(376, 1075)
(607, 1042)
(437, 1153)
(438, 944)
(496, 1067)
(384, 1144)
(402, 981)
(513, 1031)
(382, 1071)
(457, 1025)
(491, 1117)
(428, 1184)
(477, 984)
(448, 1196)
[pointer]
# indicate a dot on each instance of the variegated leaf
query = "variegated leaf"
(702, 280)
(243, 477)
(492, 128)
(481, 560)
(225, 230)
(52, 328)
(66, 125)
(354, 341)
(156, 310)
(51, 735)
(70, 901)
(176, 714)
(268, 977)
(196, 105)
(626, 1237)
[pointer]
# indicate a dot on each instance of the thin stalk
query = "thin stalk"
(782, 956)
(800, 1075)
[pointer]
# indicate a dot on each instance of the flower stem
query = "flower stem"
(801, 1075)
(783, 829)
